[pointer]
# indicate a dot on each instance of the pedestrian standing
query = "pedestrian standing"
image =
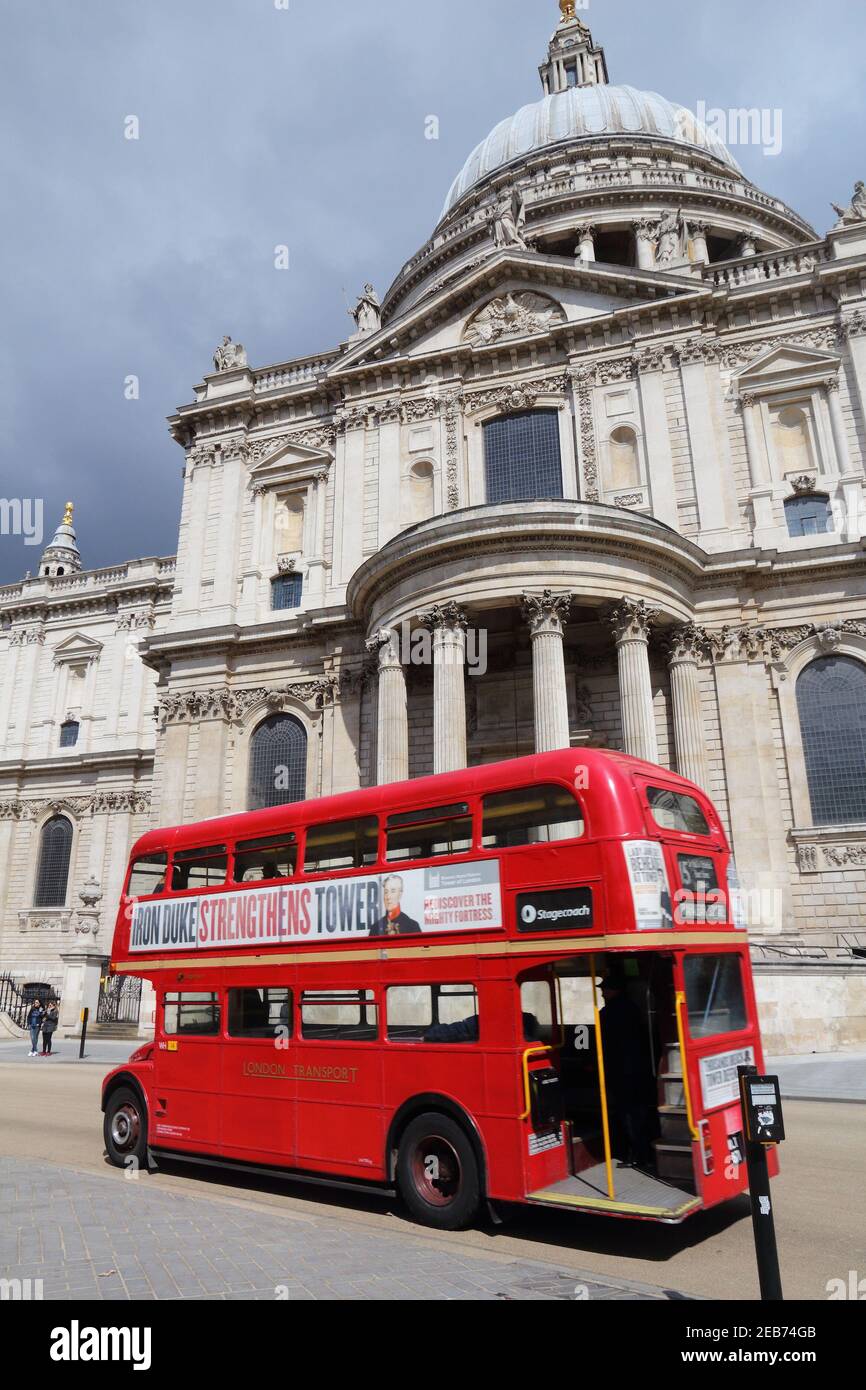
(34, 1023)
(49, 1024)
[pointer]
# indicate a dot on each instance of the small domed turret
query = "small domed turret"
(62, 556)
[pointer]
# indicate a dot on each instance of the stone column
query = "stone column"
(644, 232)
(547, 615)
(631, 621)
(392, 738)
(448, 625)
(840, 434)
(586, 244)
(699, 242)
(687, 645)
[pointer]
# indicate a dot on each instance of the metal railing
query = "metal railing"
(16, 998)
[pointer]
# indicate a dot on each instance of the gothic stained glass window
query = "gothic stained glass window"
(52, 872)
(278, 763)
(831, 698)
(522, 461)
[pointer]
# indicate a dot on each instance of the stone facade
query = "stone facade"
(703, 353)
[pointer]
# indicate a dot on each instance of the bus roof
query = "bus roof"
(614, 769)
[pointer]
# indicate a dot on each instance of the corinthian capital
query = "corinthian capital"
(547, 612)
(687, 643)
(444, 615)
(632, 620)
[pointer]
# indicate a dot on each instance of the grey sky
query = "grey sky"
(262, 126)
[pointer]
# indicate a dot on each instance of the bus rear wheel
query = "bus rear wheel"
(125, 1128)
(437, 1173)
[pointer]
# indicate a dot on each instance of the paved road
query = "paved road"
(51, 1115)
(821, 1075)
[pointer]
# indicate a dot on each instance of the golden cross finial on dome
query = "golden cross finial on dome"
(567, 8)
(67, 515)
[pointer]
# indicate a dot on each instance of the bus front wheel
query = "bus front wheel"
(437, 1173)
(125, 1128)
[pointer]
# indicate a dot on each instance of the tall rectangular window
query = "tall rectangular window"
(286, 591)
(522, 459)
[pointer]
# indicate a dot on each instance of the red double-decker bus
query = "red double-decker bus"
(522, 982)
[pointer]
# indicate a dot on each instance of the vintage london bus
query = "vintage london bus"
(525, 982)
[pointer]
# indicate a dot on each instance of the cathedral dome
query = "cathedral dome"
(584, 113)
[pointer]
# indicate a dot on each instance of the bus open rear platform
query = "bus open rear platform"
(637, 1194)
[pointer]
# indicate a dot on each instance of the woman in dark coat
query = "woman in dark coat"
(49, 1024)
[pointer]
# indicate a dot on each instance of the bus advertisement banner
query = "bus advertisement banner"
(416, 902)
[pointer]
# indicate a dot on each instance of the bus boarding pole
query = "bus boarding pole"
(763, 1127)
(85, 1014)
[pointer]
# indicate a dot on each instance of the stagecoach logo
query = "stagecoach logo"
(557, 911)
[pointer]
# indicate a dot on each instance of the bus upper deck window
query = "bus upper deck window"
(714, 995)
(147, 875)
(531, 816)
(274, 857)
(426, 834)
(199, 868)
(676, 811)
(348, 844)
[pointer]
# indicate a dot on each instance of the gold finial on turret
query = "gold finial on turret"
(67, 515)
(567, 8)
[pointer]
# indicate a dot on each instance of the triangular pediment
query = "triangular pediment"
(290, 457)
(523, 295)
(77, 647)
(788, 363)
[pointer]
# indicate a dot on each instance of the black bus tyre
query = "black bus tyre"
(125, 1128)
(437, 1173)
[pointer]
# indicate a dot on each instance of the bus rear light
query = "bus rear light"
(707, 1162)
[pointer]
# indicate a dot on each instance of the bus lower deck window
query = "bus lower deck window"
(339, 1015)
(147, 875)
(432, 1013)
(274, 857)
(260, 1012)
(191, 1015)
(714, 995)
(531, 816)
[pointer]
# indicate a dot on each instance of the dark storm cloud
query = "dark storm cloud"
(262, 126)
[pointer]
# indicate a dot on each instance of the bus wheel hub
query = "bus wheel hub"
(436, 1171)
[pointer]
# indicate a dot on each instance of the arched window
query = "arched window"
(52, 872)
(522, 461)
(286, 591)
(278, 763)
(810, 515)
(831, 698)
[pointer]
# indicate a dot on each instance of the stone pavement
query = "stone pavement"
(92, 1237)
(821, 1076)
(106, 1054)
